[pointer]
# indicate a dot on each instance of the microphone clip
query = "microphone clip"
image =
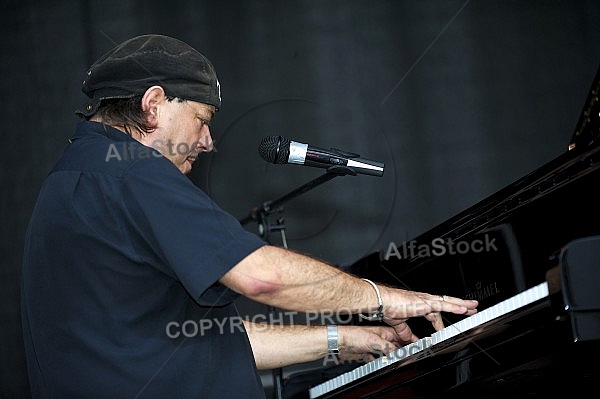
(340, 170)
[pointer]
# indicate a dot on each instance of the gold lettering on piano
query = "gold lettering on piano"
(483, 291)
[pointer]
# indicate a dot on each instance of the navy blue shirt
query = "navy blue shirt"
(120, 291)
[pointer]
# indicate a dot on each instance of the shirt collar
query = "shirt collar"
(90, 128)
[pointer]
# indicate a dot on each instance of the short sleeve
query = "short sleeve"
(196, 240)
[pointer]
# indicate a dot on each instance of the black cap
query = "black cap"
(133, 66)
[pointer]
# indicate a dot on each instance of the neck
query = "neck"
(133, 132)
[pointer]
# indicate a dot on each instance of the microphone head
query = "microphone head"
(275, 149)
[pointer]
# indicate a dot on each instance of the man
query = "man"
(130, 270)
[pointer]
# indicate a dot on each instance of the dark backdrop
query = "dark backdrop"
(458, 98)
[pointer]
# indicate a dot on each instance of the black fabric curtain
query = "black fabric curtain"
(458, 98)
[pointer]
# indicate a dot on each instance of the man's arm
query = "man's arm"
(276, 346)
(292, 281)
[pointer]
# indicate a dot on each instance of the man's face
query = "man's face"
(183, 132)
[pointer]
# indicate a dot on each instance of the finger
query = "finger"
(466, 308)
(436, 320)
(386, 333)
(420, 304)
(470, 304)
(445, 303)
(383, 341)
(404, 333)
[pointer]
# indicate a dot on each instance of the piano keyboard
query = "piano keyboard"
(509, 305)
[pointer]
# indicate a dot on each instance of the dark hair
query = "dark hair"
(126, 113)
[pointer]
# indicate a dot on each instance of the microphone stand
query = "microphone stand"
(260, 214)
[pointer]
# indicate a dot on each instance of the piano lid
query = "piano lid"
(582, 156)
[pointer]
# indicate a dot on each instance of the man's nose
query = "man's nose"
(207, 144)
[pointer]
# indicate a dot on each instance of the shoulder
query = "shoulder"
(98, 148)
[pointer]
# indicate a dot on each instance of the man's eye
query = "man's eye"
(204, 122)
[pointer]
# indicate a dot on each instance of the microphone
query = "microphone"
(280, 150)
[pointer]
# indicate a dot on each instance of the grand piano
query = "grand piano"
(530, 253)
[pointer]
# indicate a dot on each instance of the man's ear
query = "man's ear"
(151, 100)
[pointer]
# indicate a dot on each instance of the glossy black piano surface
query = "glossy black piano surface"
(526, 225)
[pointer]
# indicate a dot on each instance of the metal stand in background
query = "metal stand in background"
(260, 214)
